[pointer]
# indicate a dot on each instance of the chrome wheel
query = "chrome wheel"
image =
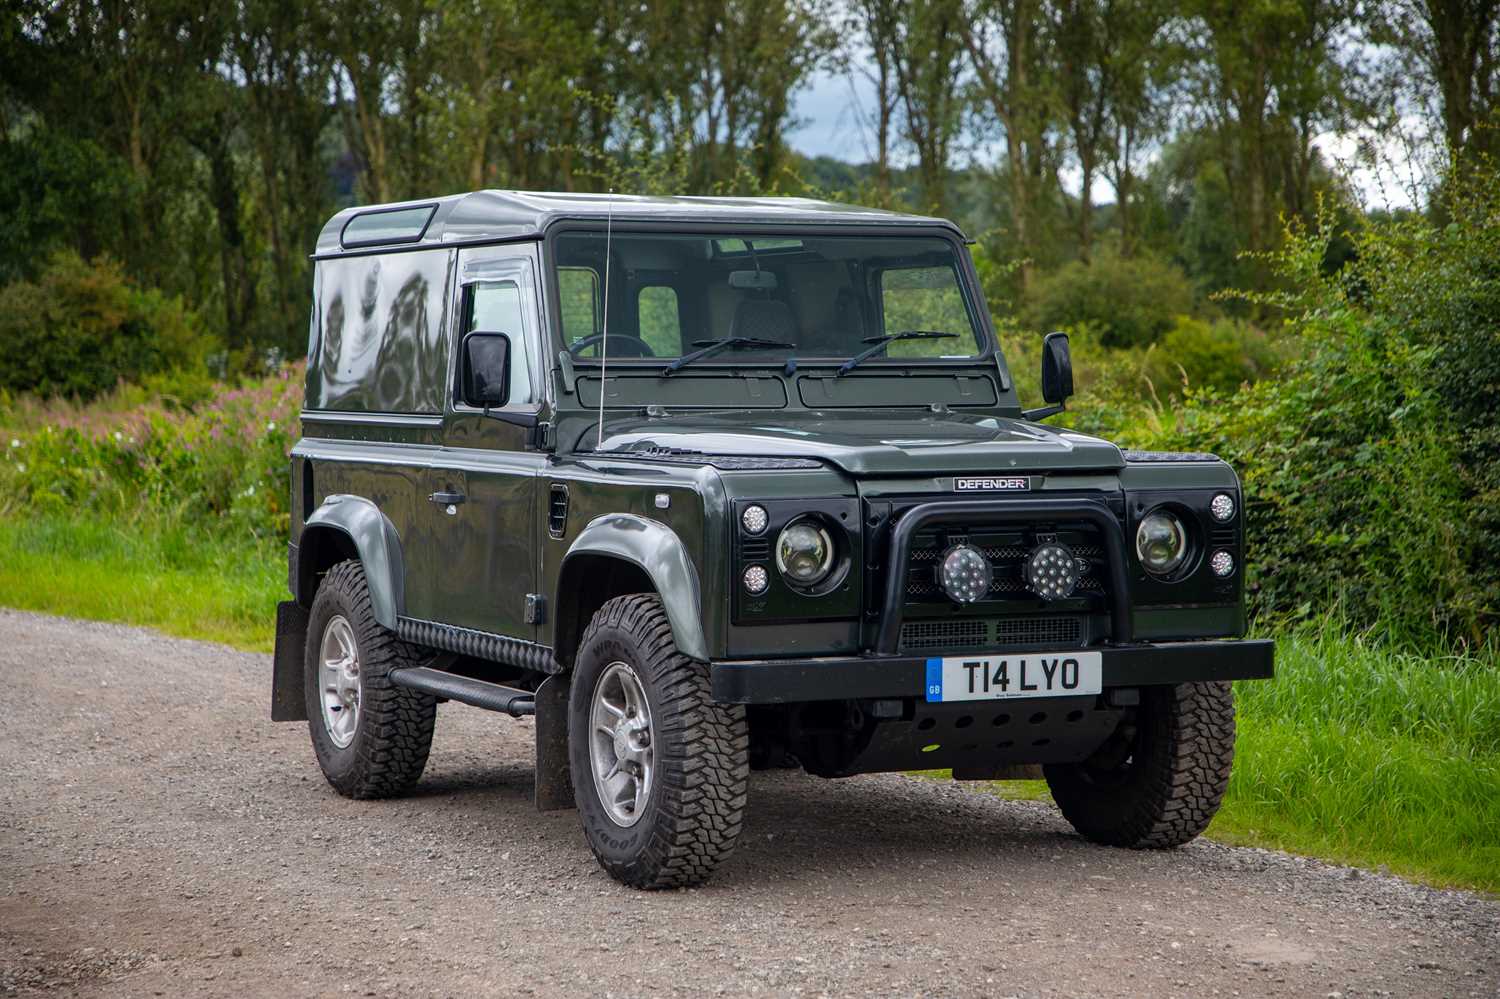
(338, 679)
(621, 744)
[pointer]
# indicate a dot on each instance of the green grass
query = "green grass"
(182, 582)
(1354, 753)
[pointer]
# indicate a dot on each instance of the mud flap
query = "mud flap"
(288, 700)
(554, 784)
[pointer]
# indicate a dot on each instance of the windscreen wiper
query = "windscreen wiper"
(712, 347)
(878, 343)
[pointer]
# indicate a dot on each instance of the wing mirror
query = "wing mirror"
(486, 369)
(1057, 376)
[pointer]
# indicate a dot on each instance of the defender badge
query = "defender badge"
(987, 483)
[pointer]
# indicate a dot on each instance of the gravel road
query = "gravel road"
(160, 836)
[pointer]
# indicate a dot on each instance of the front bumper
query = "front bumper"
(837, 679)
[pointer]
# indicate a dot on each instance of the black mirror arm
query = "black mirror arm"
(1042, 412)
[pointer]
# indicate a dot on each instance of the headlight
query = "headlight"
(1161, 543)
(804, 553)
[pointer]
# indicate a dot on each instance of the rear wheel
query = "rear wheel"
(370, 736)
(659, 770)
(1159, 780)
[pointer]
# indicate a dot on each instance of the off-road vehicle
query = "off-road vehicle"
(711, 485)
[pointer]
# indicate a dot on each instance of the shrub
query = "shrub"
(220, 466)
(1220, 355)
(81, 327)
(1372, 469)
(1131, 301)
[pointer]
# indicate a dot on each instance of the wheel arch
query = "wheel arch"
(351, 527)
(619, 554)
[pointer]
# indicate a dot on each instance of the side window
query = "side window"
(578, 289)
(380, 343)
(925, 298)
(497, 307)
(656, 313)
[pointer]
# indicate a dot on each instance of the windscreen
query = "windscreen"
(795, 296)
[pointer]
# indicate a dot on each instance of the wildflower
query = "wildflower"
(21, 466)
(271, 425)
(119, 436)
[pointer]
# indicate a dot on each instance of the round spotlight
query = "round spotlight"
(754, 518)
(965, 574)
(804, 553)
(756, 579)
(1222, 507)
(1052, 572)
(1161, 543)
(1222, 564)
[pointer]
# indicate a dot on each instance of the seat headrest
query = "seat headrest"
(766, 318)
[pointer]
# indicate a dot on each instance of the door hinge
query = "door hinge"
(536, 608)
(541, 437)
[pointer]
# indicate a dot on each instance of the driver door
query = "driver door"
(482, 488)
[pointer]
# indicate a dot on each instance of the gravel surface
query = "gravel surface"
(160, 836)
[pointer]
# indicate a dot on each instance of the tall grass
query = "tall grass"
(1362, 754)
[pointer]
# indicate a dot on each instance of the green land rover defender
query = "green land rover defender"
(711, 485)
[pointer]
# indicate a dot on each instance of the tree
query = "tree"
(1006, 46)
(1457, 45)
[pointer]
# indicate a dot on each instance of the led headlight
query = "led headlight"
(1052, 572)
(754, 519)
(1222, 507)
(756, 579)
(965, 574)
(1222, 564)
(1161, 543)
(804, 553)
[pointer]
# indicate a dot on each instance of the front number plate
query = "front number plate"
(1041, 674)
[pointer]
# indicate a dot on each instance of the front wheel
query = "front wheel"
(660, 772)
(1160, 778)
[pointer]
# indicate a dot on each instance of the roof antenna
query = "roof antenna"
(609, 220)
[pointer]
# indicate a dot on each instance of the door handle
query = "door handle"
(447, 498)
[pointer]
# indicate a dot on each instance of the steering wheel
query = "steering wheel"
(637, 346)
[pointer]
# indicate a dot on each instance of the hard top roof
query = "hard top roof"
(482, 216)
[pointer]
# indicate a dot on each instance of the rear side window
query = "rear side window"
(497, 308)
(656, 314)
(379, 340)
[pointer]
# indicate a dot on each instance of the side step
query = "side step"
(466, 690)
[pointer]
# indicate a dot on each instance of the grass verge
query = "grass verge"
(183, 582)
(1354, 753)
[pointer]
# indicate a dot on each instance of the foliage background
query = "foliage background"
(1159, 179)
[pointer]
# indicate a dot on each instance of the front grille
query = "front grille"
(944, 634)
(960, 634)
(1058, 629)
(1007, 548)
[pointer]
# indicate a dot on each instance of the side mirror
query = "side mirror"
(1057, 376)
(1057, 368)
(485, 374)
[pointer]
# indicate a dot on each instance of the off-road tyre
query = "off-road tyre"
(696, 804)
(1159, 781)
(394, 733)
